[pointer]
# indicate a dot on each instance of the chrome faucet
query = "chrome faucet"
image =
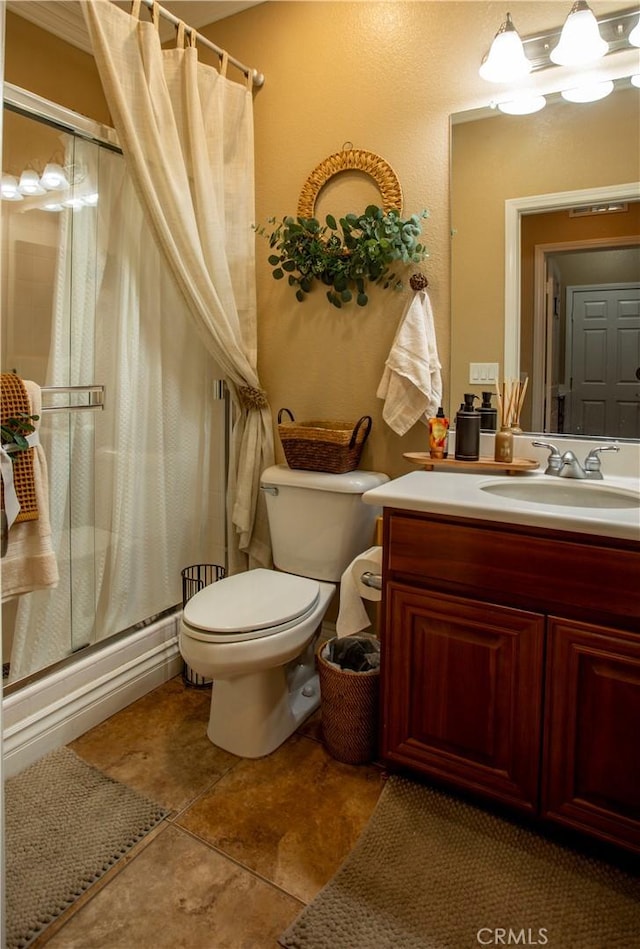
(568, 466)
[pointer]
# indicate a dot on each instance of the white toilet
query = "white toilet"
(254, 633)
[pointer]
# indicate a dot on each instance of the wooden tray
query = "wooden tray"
(425, 461)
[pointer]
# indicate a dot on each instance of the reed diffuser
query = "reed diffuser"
(510, 401)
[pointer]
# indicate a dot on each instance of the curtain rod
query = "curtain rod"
(257, 77)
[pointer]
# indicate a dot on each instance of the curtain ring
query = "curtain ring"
(155, 15)
(135, 9)
(224, 62)
(180, 36)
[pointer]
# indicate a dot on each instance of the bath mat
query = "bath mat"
(66, 824)
(433, 872)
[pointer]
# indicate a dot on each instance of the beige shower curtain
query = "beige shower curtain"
(187, 135)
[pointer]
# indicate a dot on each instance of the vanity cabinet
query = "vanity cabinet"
(511, 667)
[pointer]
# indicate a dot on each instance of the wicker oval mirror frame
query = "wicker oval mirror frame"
(352, 159)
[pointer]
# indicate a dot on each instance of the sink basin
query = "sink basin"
(565, 493)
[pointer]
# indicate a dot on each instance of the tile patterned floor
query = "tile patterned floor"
(246, 845)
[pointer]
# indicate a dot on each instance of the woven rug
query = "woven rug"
(432, 872)
(66, 824)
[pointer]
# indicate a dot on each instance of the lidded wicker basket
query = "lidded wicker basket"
(323, 445)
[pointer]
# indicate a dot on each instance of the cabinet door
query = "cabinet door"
(592, 731)
(462, 688)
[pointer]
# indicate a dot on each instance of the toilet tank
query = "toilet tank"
(318, 521)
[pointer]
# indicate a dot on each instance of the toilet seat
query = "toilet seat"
(250, 605)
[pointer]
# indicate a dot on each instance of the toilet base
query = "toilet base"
(254, 714)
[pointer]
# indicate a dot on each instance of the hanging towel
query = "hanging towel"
(30, 562)
(17, 471)
(411, 385)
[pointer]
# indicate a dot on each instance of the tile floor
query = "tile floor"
(246, 845)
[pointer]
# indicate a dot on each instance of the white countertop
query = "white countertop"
(459, 494)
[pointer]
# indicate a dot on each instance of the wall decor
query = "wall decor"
(347, 254)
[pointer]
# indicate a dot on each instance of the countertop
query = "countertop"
(459, 494)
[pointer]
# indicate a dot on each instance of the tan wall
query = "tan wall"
(384, 76)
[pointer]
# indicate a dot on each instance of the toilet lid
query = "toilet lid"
(257, 599)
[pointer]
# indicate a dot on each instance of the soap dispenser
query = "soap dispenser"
(488, 414)
(467, 430)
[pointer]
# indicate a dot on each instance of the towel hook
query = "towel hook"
(418, 281)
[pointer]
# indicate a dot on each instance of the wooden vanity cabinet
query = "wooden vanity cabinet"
(511, 667)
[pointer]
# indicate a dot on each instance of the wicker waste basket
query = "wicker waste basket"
(194, 579)
(349, 702)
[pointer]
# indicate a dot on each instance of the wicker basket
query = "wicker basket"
(323, 445)
(349, 702)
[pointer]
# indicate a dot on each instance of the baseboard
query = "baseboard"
(54, 710)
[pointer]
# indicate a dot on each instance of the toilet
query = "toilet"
(254, 633)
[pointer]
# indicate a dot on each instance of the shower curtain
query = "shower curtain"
(130, 486)
(187, 134)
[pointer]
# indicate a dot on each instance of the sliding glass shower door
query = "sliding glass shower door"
(133, 437)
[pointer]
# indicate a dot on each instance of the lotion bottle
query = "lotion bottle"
(467, 430)
(438, 434)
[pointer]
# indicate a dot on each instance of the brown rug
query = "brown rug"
(432, 872)
(66, 824)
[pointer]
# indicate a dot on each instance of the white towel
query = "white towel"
(30, 563)
(411, 384)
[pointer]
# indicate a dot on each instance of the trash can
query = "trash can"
(349, 701)
(195, 578)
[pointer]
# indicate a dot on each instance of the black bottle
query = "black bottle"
(468, 430)
(488, 415)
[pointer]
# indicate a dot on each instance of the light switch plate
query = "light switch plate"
(481, 373)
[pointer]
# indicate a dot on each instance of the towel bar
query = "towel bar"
(95, 393)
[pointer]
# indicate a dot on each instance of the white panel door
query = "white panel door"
(603, 351)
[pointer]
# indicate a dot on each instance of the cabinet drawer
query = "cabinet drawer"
(547, 571)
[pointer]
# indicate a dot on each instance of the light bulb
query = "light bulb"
(634, 35)
(588, 91)
(9, 188)
(523, 105)
(53, 177)
(506, 60)
(30, 183)
(635, 80)
(580, 40)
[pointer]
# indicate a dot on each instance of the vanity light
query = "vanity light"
(505, 61)
(588, 92)
(9, 190)
(53, 177)
(580, 40)
(634, 35)
(91, 199)
(30, 183)
(523, 105)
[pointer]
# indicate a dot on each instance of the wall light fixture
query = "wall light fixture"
(580, 40)
(505, 61)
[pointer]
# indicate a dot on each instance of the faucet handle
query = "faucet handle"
(592, 461)
(554, 461)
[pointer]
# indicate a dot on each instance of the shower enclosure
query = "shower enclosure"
(134, 418)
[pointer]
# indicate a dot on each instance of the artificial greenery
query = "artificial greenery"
(344, 255)
(14, 431)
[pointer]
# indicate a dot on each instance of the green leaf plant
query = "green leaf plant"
(346, 255)
(14, 431)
